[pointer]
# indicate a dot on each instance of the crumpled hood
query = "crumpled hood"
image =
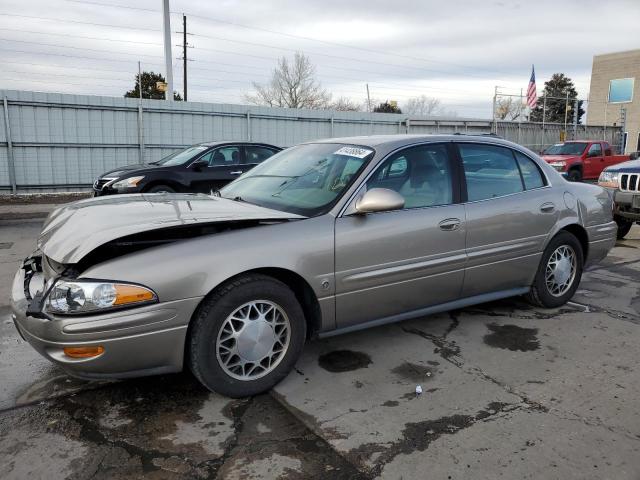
(74, 230)
(560, 158)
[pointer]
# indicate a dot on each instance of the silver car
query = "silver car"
(323, 238)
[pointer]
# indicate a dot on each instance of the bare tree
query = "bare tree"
(508, 109)
(422, 105)
(344, 104)
(292, 85)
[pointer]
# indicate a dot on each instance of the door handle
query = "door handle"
(547, 207)
(449, 224)
(237, 172)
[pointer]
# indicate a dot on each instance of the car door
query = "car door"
(509, 214)
(594, 161)
(391, 263)
(223, 166)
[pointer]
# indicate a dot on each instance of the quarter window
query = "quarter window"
(422, 175)
(490, 171)
(531, 174)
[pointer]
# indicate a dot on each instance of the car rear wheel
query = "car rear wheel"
(559, 272)
(246, 336)
(161, 189)
(574, 175)
(624, 226)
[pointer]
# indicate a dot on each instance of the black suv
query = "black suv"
(204, 168)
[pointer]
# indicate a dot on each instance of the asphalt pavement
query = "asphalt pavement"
(508, 391)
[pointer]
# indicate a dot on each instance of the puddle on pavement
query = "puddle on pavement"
(413, 372)
(344, 361)
(512, 337)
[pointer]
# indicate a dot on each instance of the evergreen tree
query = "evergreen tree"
(556, 90)
(149, 89)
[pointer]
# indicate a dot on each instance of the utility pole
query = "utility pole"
(368, 99)
(495, 98)
(168, 59)
(140, 81)
(184, 54)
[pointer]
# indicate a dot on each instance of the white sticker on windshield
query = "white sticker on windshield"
(353, 152)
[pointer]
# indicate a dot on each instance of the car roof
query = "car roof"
(232, 142)
(400, 140)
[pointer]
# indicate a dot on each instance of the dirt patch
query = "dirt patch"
(512, 337)
(344, 361)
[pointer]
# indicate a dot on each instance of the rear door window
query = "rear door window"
(491, 171)
(257, 154)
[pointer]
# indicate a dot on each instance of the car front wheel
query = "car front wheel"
(624, 226)
(161, 189)
(246, 336)
(559, 272)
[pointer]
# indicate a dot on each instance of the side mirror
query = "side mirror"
(379, 200)
(200, 164)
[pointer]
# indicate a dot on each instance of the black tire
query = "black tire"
(539, 294)
(575, 175)
(161, 189)
(210, 318)
(623, 227)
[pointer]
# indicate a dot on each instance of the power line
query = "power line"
(73, 56)
(64, 20)
(351, 59)
(81, 36)
(301, 37)
(117, 6)
(63, 75)
(78, 48)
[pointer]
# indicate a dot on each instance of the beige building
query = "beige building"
(615, 84)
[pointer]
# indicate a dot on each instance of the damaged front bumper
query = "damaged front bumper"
(139, 341)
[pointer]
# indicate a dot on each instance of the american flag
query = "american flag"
(532, 96)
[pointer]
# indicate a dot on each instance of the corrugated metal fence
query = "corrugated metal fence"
(62, 142)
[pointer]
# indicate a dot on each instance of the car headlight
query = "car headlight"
(79, 296)
(557, 165)
(609, 179)
(127, 183)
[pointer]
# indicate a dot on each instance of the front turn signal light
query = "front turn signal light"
(83, 352)
(127, 294)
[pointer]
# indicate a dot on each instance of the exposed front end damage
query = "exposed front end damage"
(130, 339)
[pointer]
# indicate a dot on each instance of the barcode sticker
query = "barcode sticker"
(353, 152)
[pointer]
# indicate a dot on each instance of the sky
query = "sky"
(457, 51)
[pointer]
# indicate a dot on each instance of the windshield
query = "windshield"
(574, 148)
(182, 156)
(305, 180)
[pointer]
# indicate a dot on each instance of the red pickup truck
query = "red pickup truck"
(581, 159)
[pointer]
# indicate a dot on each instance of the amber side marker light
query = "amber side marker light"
(126, 294)
(83, 352)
